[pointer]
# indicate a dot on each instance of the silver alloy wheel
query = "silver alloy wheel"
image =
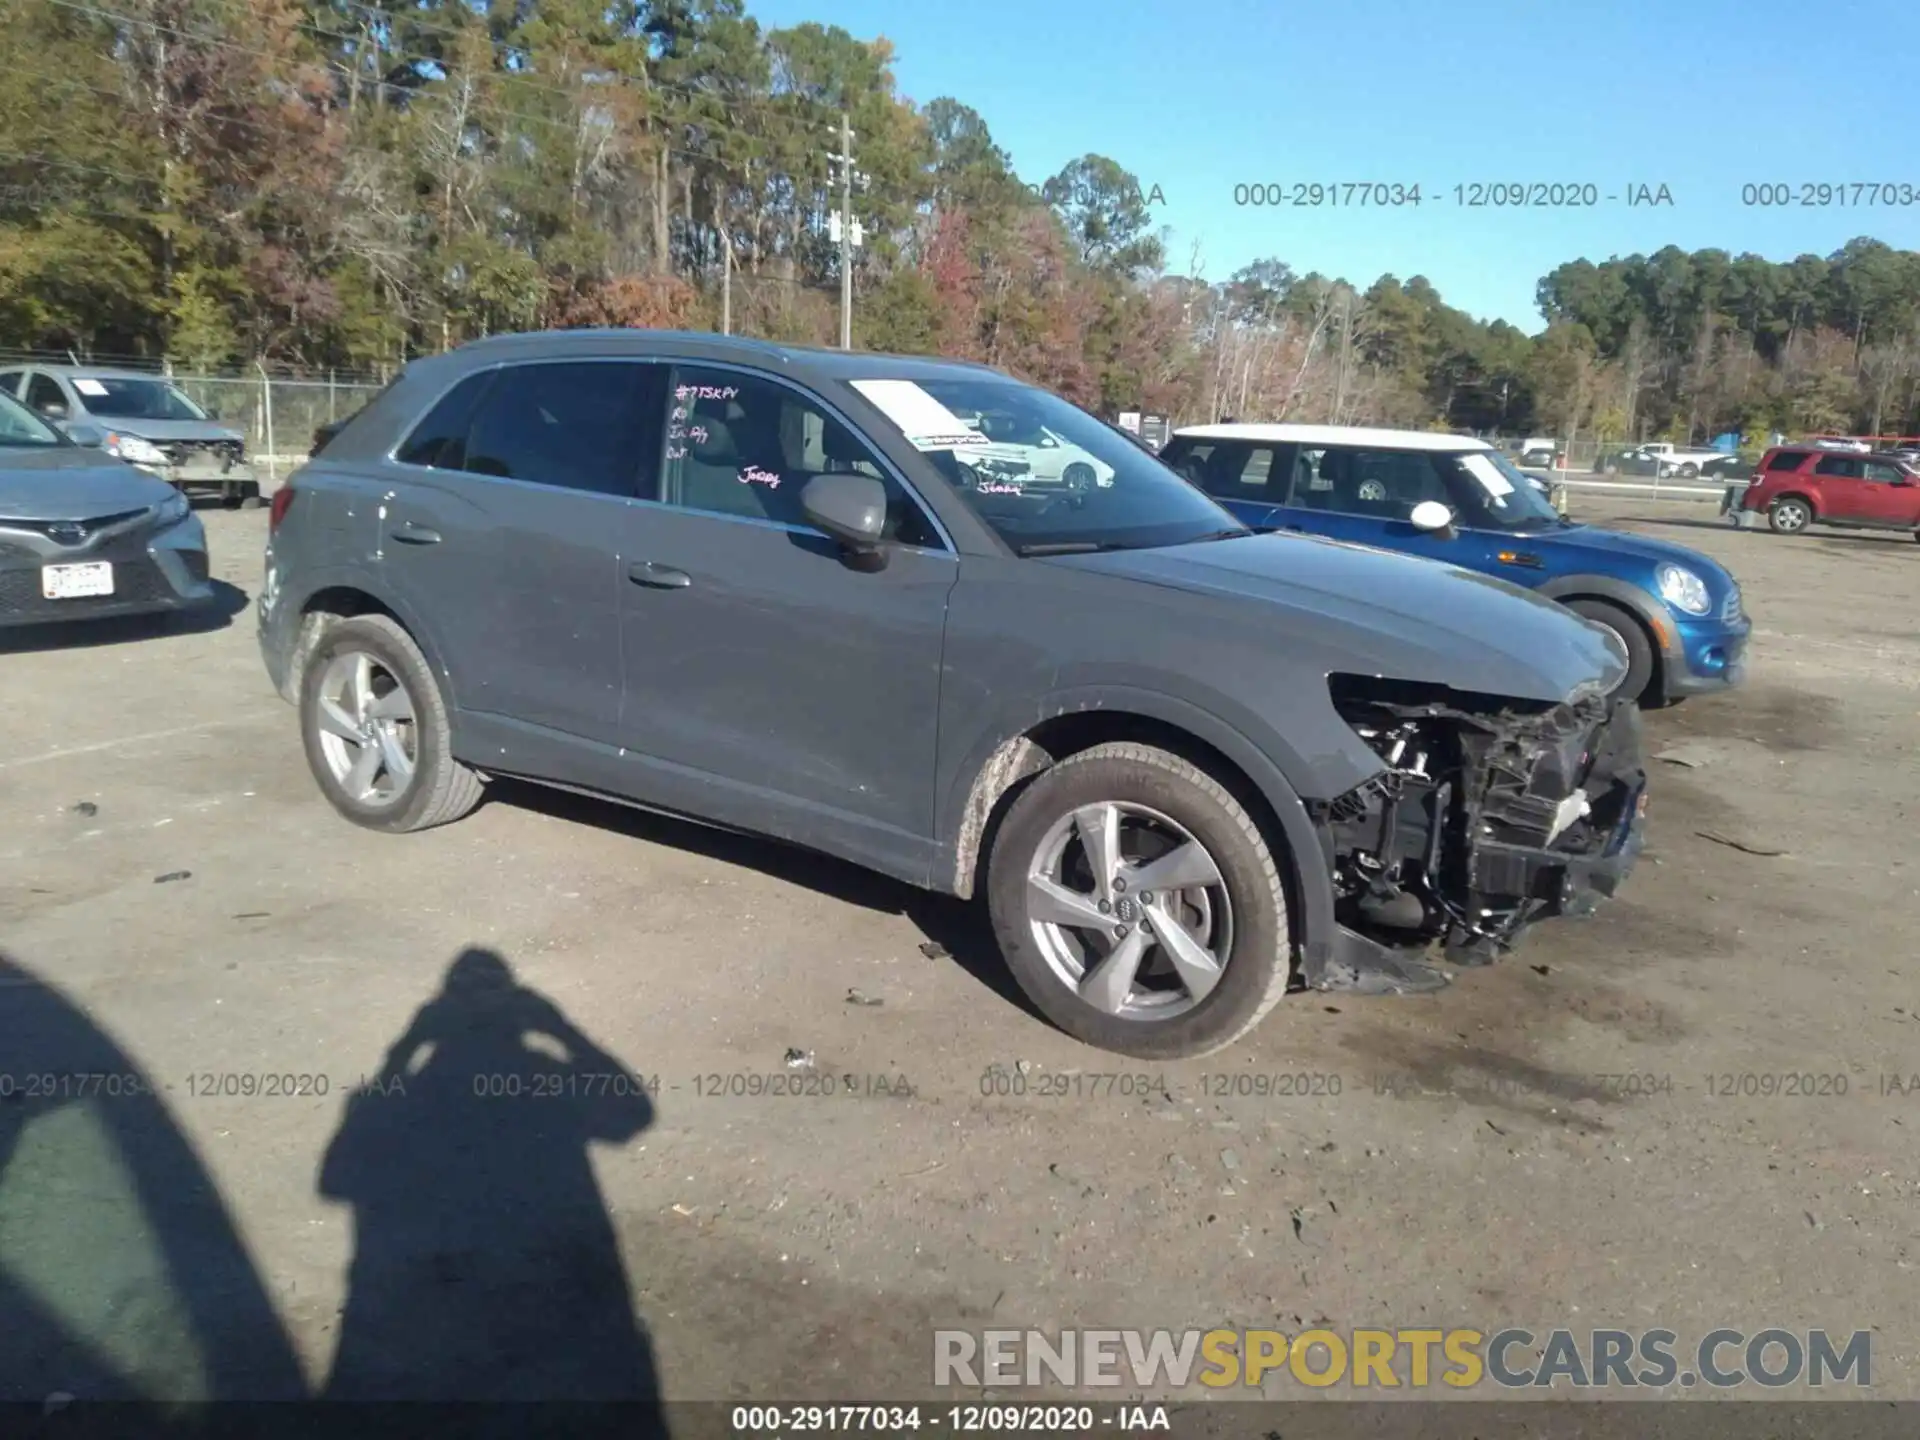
(1130, 911)
(1789, 515)
(367, 729)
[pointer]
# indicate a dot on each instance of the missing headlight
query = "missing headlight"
(1480, 814)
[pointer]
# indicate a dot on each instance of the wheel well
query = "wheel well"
(1656, 682)
(1800, 495)
(1054, 740)
(325, 608)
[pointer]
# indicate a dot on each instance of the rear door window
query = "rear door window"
(1849, 466)
(575, 425)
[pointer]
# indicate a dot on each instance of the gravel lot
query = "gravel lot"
(1481, 1163)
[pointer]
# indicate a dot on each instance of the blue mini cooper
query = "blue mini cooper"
(1458, 500)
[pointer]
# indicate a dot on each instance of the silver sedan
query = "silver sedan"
(83, 535)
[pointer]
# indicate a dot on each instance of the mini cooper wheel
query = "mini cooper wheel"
(1138, 905)
(376, 731)
(1789, 516)
(1637, 681)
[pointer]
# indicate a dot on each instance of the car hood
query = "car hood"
(70, 483)
(164, 430)
(1569, 544)
(1389, 614)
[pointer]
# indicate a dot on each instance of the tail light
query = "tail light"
(282, 502)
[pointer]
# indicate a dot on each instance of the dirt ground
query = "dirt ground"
(1474, 1158)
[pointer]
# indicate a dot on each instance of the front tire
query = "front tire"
(1138, 905)
(376, 731)
(1638, 679)
(1789, 515)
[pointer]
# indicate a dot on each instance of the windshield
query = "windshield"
(1046, 475)
(21, 428)
(116, 398)
(1495, 492)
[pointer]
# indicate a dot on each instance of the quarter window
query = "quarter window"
(737, 444)
(1231, 469)
(1787, 460)
(440, 440)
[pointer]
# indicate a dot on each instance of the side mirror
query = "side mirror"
(1432, 517)
(850, 508)
(53, 409)
(90, 436)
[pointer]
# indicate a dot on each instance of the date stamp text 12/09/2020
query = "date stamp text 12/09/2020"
(1474, 195)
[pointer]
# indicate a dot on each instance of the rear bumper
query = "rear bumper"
(276, 629)
(153, 571)
(237, 479)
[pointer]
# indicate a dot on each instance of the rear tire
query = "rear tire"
(1640, 661)
(370, 710)
(1789, 515)
(1222, 906)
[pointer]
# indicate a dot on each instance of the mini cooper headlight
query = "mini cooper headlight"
(1684, 590)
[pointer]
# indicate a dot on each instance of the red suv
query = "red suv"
(1797, 486)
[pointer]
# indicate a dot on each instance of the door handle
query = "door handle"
(660, 577)
(412, 534)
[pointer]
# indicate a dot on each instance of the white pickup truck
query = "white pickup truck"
(1681, 460)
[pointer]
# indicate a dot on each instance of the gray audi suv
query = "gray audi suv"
(1188, 766)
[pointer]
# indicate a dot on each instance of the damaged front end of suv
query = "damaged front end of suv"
(1488, 814)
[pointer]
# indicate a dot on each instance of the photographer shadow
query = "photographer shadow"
(486, 1266)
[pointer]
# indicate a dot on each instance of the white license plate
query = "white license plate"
(70, 582)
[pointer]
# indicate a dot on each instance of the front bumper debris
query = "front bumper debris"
(1489, 816)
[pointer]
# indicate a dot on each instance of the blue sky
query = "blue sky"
(1702, 96)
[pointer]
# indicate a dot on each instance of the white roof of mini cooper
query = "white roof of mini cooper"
(1335, 435)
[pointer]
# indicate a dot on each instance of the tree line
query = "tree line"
(340, 184)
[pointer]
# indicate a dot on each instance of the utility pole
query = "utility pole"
(845, 226)
(726, 284)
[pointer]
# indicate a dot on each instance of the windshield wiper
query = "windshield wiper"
(1068, 547)
(1224, 535)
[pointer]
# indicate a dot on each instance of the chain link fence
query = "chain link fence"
(277, 413)
(278, 416)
